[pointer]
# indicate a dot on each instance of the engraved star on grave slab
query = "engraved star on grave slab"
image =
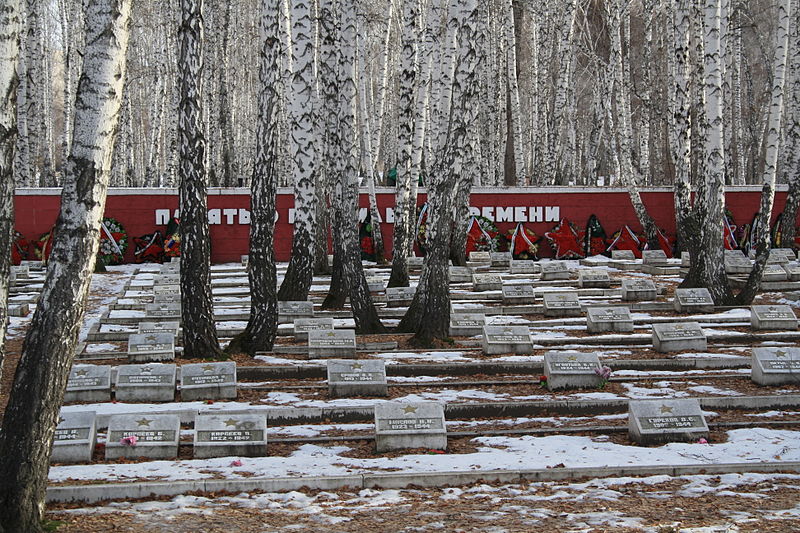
(151, 338)
(666, 409)
(143, 422)
(208, 368)
(147, 370)
(780, 353)
(357, 366)
(409, 409)
(231, 422)
(82, 372)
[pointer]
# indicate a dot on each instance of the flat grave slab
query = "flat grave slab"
(366, 377)
(167, 326)
(774, 272)
(399, 296)
(775, 365)
(654, 258)
(208, 381)
(686, 260)
(487, 282)
(500, 259)
(414, 262)
(149, 347)
(460, 274)
(566, 370)
(167, 279)
(772, 317)
(172, 292)
(154, 382)
(20, 271)
(245, 259)
(561, 304)
(288, 311)
(336, 343)
(638, 289)
(593, 278)
(226, 435)
(19, 310)
(143, 435)
(75, 438)
(303, 325)
(464, 324)
(696, 300)
(603, 319)
(666, 420)
(163, 311)
(737, 264)
(671, 337)
(480, 257)
(88, 384)
(518, 294)
(506, 339)
(777, 256)
(523, 266)
(375, 284)
(554, 270)
(623, 255)
(792, 271)
(401, 426)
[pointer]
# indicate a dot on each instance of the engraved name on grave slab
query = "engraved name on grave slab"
(154, 382)
(480, 257)
(554, 270)
(696, 300)
(506, 339)
(523, 266)
(375, 284)
(332, 343)
(601, 319)
(357, 378)
(774, 272)
(666, 420)
(288, 311)
(772, 317)
(169, 326)
(88, 383)
(156, 436)
(593, 278)
(166, 279)
(670, 337)
(500, 259)
(518, 294)
(654, 257)
(414, 262)
(571, 370)
(173, 291)
(224, 435)
(163, 310)
(464, 324)
(460, 274)
(638, 289)
(399, 296)
(303, 325)
(561, 304)
(623, 255)
(775, 365)
(146, 347)
(208, 381)
(410, 425)
(486, 282)
(75, 437)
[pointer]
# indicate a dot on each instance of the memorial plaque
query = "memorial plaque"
(400, 426)
(506, 339)
(464, 324)
(20, 271)
(554, 270)
(500, 259)
(792, 271)
(686, 260)
(303, 325)
(734, 253)
(480, 257)
(623, 255)
(167, 279)
(654, 257)
(460, 274)
(602, 319)
(571, 370)
(693, 301)
(366, 377)
(399, 296)
(169, 326)
(148, 347)
(172, 291)
(170, 269)
(375, 284)
(486, 282)
(208, 381)
(75, 437)
(668, 420)
(19, 310)
(332, 343)
(775, 365)
(414, 263)
(737, 264)
(154, 382)
(88, 383)
(638, 289)
(226, 435)
(561, 304)
(787, 252)
(518, 294)
(595, 278)
(288, 311)
(143, 435)
(772, 317)
(523, 266)
(245, 260)
(774, 272)
(163, 310)
(776, 257)
(670, 337)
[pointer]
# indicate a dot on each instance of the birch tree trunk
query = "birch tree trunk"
(792, 159)
(262, 325)
(197, 310)
(773, 144)
(297, 280)
(49, 347)
(680, 126)
(514, 111)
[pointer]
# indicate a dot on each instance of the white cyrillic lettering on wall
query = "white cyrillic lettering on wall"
(291, 215)
(214, 216)
(535, 214)
(503, 214)
(162, 217)
(520, 214)
(552, 214)
(389, 215)
(488, 212)
(244, 216)
(230, 214)
(474, 211)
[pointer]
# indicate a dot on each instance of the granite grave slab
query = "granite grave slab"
(518, 294)
(554, 270)
(603, 319)
(143, 435)
(208, 381)
(666, 420)
(366, 377)
(401, 426)
(399, 296)
(463, 324)
(696, 300)
(336, 343)
(288, 311)
(561, 304)
(773, 365)
(566, 370)
(523, 266)
(672, 337)
(486, 282)
(593, 278)
(150, 347)
(638, 289)
(230, 435)
(153, 382)
(772, 317)
(88, 384)
(506, 339)
(303, 325)
(75, 437)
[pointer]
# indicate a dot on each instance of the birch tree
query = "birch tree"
(197, 310)
(792, 146)
(49, 346)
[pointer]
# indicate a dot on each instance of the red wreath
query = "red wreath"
(565, 241)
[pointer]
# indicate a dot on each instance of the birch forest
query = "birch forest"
(570, 92)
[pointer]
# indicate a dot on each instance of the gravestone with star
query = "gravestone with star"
(226, 435)
(671, 337)
(153, 382)
(167, 280)
(460, 274)
(736, 262)
(654, 258)
(593, 278)
(602, 319)
(167, 326)
(487, 282)
(772, 317)
(667, 420)
(288, 311)
(356, 378)
(401, 426)
(88, 383)
(775, 365)
(523, 266)
(774, 272)
(335, 343)
(638, 289)
(414, 262)
(399, 296)
(480, 257)
(143, 435)
(554, 270)
(506, 339)
(500, 259)
(518, 294)
(697, 300)
(163, 311)
(208, 381)
(75, 437)
(375, 284)
(464, 324)
(150, 347)
(561, 304)
(166, 293)
(565, 370)
(792, 271)
(776, 256)
(303, 325)
(623, 255)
